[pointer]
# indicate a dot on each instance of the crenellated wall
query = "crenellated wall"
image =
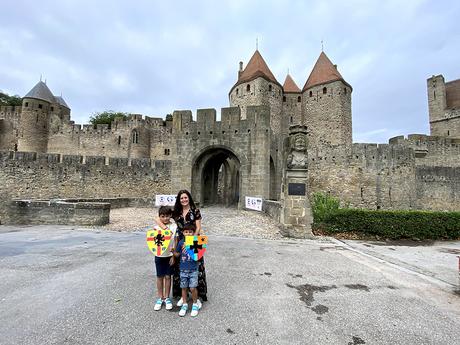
(47, 176)
(371, 176)
(432, 150)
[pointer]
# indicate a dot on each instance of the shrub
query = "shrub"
(106, 117)
(323, 205)
(394, 224)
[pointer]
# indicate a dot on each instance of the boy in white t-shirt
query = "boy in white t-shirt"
(164, 262)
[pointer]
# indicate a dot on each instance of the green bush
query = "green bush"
(106, 117)
(394, 224)
(323, 205)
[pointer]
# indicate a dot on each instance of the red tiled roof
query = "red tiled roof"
(323, 72)
(290, 86)
(256, 67)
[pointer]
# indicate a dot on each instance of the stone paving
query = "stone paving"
(216, 221)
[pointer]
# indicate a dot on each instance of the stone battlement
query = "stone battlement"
(10, 108)
(47, 160)
(231, 119)
(133, 121)
(365, 154)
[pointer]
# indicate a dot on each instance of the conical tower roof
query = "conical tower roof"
(61, 101)
(42, 92)
(323, 72)
(290, 86)
(256, 67)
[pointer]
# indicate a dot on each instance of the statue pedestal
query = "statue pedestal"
(296, 215)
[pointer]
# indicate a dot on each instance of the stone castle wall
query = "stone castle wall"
(55, 133)
(371, 176)
(9, 126)
(384, 176)
(432, 150)
(438, 188)
(47, 176)
(135, 138)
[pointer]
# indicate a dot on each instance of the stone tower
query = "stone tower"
(34, 123)
(256, 85)
(444, 106)
(292, 104)
(326, 105)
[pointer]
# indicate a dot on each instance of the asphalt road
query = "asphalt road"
(64, 286)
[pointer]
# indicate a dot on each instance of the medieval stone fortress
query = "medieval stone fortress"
(272, 139)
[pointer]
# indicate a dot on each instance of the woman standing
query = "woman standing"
(185, 212)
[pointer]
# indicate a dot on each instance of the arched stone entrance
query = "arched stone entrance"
(216, 177)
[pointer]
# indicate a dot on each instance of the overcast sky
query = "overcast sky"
(152, 57)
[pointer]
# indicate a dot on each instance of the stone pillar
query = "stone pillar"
(296, 215)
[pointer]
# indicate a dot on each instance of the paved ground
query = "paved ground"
(61, 285)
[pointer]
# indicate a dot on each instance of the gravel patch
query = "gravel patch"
(216, 221)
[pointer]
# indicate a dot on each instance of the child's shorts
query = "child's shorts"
(188, 279)
(162, 266)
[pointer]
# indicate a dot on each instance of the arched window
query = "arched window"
(284, 98)
(345, 90)
(135, 137)
(119, 140)
(237, 92)
(311, 93)
(324, 90)
(248, 88)
(291, 119)
(269, 88)
(298, 99)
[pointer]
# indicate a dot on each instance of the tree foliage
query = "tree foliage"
(6, 99)
(107, 117)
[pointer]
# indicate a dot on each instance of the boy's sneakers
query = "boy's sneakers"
(183, 309)
(198, 302)
(158, 304)
(180, 302)
(168, 304)
(195, 309)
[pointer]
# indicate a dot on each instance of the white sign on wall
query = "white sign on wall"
(165, 200)
(253, 203)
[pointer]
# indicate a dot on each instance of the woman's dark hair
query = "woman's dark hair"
(177, 212)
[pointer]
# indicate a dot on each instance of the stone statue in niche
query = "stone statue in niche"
(297, 157)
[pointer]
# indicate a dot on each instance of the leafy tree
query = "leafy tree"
(6, 99)
(106, 117)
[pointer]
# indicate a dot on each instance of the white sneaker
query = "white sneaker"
(168, 304)
(198, 303)
(158, 304)
(195, 309)
(183, 310)
(180, 302)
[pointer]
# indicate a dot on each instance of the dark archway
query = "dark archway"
(215, 177)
